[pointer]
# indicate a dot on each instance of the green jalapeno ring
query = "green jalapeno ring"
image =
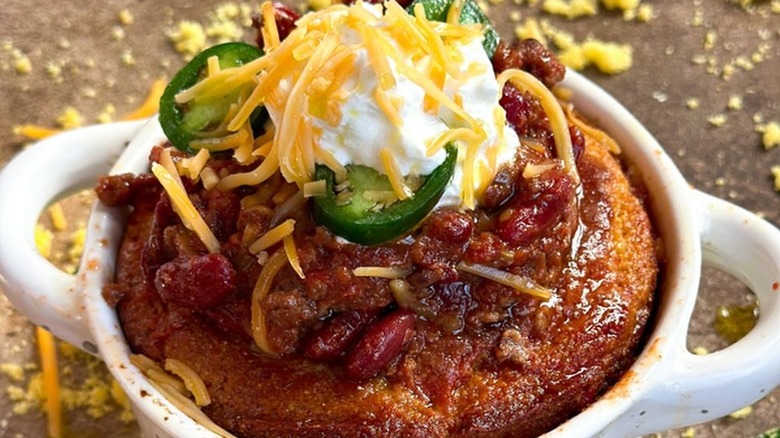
(356, 222)
(181, 123)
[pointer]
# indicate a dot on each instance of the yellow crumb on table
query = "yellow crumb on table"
(125, 17)
(776, 175)
(692, 103)
(623, 5)
(741, 414)
(14, 371)
(609, 58)
(570, 8)
(735, 102)
(771, 136)
(717, 120)
(189, 38)
(70, 118)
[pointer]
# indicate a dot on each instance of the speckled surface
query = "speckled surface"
(101, 62)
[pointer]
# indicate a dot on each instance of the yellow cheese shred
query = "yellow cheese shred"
(264, 281)
(402, 191)
(516, 282)
(391, 272)
(560, 127)
(446, 137)
(191, 379)
(387, 106)
(265, 170)
(184, 208)
(269, 30)
(314, 188)
(51, 382)
(292, 255)
(192, 167)
(273, 236)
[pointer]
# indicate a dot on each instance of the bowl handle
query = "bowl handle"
(39, 175)
(700, 388)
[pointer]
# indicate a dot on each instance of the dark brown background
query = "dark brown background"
(728, 161)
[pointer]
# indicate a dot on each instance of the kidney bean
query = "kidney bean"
(199, 282)
(285, 22)
(337, 335)
(532, 211)
(382, 342)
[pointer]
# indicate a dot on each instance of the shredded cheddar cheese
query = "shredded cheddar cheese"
(272, 267)
(184, 207)
(51, 381)
(273, 236)
(554, 112)
(402, 191)
(516, 282)
(191, 379)
(391, 272)
(315, 63)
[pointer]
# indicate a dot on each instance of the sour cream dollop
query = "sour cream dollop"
(392, 108)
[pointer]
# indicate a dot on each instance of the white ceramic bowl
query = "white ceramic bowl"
(666, 387)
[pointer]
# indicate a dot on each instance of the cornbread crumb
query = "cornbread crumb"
(22, 64)
(70, 118)
(692, 103)
(735, 103)
(776, 175)
(645, 13)
(609, 58)
(700, 351)
(118, 33)
(27, 400)
(710, 38)
(189, 38)
(571, 9)
(698, 18)
(623, 5)
(741, 414)
(107, 114)
(125, 17)
(57, 216)
(717, 120)
(127, 57)
(771, 137)
(43, 239)
(12, 370)
(54, 70)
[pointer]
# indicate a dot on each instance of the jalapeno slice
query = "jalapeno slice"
(358, 220)
(182, 123)
(471, 13)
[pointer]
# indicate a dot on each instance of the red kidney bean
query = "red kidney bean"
(382, 342)
(199, 282)
(532, 211)
(337, 335)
